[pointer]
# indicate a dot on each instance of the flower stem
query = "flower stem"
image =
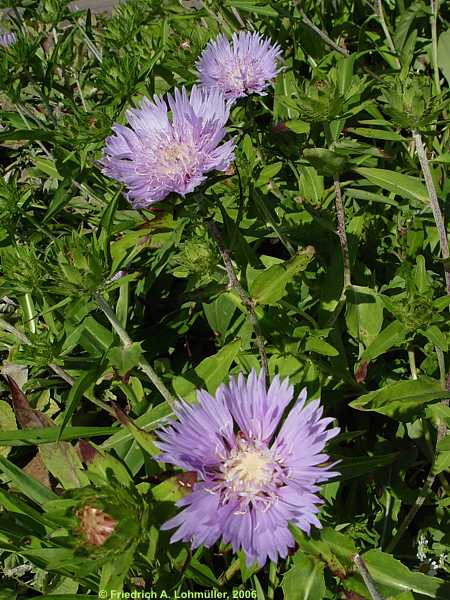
(235, 284)
(434, 43)
(272, 580)
(380, 12)
(230, 572)
(412, 364)
(342, 233)
(370, 584)
(325, 37)
(445, 382)
(441, 363)
(434, 204)
(68, 379)
(127, 342)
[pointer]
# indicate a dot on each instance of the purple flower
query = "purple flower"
(241, 67)
(156, 155)
(7, 38)
(251, 482)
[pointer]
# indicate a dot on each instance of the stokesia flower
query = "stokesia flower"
(8, 38)
(156, 155)
(244, 66)
(251, 481)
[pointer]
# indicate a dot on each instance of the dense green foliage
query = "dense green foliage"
(371, 338)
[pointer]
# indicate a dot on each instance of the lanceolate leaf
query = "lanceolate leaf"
(402, 400)
(404, 186)
(394, 577)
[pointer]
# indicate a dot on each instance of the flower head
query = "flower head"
(7, 38)
(156, 155)
(251, 481)
(96, 525)
(241, 67)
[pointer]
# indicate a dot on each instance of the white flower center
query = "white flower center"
(239, 75)
(176, 158)
(248, 470)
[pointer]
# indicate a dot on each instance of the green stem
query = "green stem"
(272, 581)
(323, 36)
(412, 364)
(438, 219)
(441, 363)
(342, 234)
(370, 584)
(434, 43)
(235, 284)
(230, 572)
(380, 13)
(68, 379)
(127, 342)
(26, 302)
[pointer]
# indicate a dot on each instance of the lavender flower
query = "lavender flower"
(241, 67)
(8, 38)
(156, 155)
(250, 482)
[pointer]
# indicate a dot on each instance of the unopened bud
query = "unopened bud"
(96, 525)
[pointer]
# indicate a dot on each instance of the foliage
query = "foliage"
(338, 120)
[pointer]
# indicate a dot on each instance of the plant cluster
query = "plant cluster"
(212, 214)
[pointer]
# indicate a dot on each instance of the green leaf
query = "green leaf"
(26, 134)
(298, 126)
(442, 462)
(29, 486)
(149, 421)
(305, 579)
(325, 161)
(219, 313)
(114, 572)
(7, 422)
(63, 462)
(47, 166)
(208, 374)
(62, 597)
(270, 286)
(252, 7)
(402, 400)
(45, 435)
(378, 134)
(316, 344)
(436, 337)
(364, 315)
(173, 488)
(391, 336)
(355, 466)
(394, 577)
(331, 546)
(443, 54)
(103, 464)
(311, 184)
(267, 173)
(125, 359)
(145, 439)
(79, 388)
(400, 184)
